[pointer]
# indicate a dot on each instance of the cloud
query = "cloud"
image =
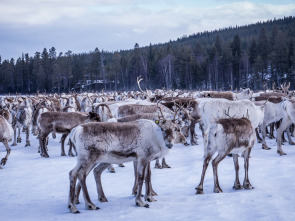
(80, 26)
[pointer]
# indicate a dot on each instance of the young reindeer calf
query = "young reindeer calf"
(233, 135)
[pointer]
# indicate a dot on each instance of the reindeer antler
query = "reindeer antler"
(227, 114)
(160, 111)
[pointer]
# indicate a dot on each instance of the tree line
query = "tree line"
(253, 56)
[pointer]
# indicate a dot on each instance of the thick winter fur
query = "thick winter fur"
(22, 119)
(113, 143)
(214, 109)
(217, 94)
(61, 122)
(129, 109)
(229, 136)
(288, 107)
(6, 133)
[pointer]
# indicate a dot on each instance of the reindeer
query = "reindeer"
(22, 118)
(288, 107)
(179, 137)
(234, 135)
(61, 122)
(108, 143)
(6, 132)
(214, 109)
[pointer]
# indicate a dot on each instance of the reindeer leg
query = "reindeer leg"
(14, 137)
(289, 136)
(264, 145)
(266, 130)
(42, 143)
(285, 123)
(77, 193)
(157, 164)
(237, 184)
(148, 187)
(246, 183)
(28, 137)
(193, 133)
(215, 163)
(207, 159)
(164, 164)
(259, 140)
(272, 127)
(82, 178)
(134, 189)
(283, 138)
(73, 180)
(97, 175)
(19, 139)
(141, 166)
(63, 138)
(4, 160)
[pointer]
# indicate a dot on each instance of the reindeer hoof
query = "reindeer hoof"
(154, 193)
(150, 199)
(28, 144)
(248, 186)
(3, 161)
(281, 152)
(292, 143)
(121, 165)
(158, 166)
(237, 187)
(14, 144)
(103, 199)
(200, 191)
(165, 166)
(77, 201)
(186, 144)
(92, 207)
(265, 147)
(147, 206)
(193, 143)
(63, 154)
(217, 190)
(73, 210)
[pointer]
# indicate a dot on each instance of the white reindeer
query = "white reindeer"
(114, 143)
(229, 136)
(214, 109)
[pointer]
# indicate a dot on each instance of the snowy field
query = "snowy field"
(34, 188)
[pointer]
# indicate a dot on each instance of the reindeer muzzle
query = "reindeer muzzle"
(169, 145)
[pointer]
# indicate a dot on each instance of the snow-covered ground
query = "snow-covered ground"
(34, 188)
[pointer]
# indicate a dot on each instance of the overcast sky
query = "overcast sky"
(27, 26)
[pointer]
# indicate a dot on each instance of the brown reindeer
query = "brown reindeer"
(229, 136)
(141, 141)
(61, 122)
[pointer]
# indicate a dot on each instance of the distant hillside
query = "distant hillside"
(248, 56)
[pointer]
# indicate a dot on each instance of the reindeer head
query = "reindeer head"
(94, 117)
(169, 128)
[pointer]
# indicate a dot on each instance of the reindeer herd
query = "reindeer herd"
(142, 126)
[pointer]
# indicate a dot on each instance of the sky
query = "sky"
(28, 26)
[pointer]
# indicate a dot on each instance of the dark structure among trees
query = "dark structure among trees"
(230, 58)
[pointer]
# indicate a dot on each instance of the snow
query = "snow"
(35, 188)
